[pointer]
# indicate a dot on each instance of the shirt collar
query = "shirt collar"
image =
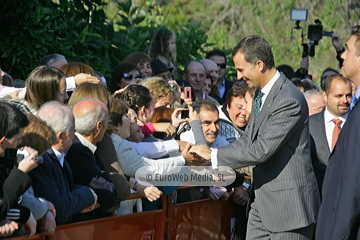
(357, 93)
(223, 81)
(329, 117)
(86, 142)
(266, 89)
(60, 156)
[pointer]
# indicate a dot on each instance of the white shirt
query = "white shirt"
(86, 142)
(60, 156)
(330, 125)
(155, 149)
(266, 89)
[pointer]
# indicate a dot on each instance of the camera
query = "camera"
(20, 153)
(315, 31)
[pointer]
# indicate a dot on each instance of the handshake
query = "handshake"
(196, 155)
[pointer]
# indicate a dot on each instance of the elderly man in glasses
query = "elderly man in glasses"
(223, 85)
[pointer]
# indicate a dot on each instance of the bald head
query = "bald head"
(87, 114)
(211, 69)
(195, 73)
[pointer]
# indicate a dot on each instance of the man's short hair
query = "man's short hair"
(57, 116)
(12, 119)
(330, 79)
(310, 93)
(323, 76)
(215, 52)
(255, 48)
(48, 59)
(206, 105)
(355, 31)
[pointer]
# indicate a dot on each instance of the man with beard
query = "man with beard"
(326, 125)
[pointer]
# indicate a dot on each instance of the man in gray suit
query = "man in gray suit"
(277, 142)
(337, 96)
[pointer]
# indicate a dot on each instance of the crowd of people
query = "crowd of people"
(288, 143)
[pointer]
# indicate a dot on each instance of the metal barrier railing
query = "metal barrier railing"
(202, 219)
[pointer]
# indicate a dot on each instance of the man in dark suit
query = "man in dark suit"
(323, 130)
(91, 117)
(277, 142)
(339, 215)
(223, 85)
(53, 180)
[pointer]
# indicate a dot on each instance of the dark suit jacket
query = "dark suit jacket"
(339, 215)
(55, 183)
(320, 151)
(228, 85)
(88, 170)
(286, 192)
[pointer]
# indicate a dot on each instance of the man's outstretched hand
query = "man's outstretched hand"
(192, 158)
(201, 151)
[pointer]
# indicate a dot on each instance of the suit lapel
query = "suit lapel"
(321, 131)
(267, 104)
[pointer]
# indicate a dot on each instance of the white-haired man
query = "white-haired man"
(53, 180)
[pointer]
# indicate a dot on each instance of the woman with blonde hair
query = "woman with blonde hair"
(161, 91)
(90, 90)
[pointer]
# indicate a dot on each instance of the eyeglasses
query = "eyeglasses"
(221, 65)
(129, 76)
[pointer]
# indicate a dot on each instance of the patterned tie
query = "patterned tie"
(257, 103)
(336, 132)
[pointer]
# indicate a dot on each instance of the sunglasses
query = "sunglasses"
(222, 65)
(129, 76)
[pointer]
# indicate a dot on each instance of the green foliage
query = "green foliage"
(82, 31)
(102, 32)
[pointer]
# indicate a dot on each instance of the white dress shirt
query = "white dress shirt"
(60, 156)
(330, 125)
(86, 142)
(266, 89)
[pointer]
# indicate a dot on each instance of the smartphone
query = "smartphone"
(187, 92)
(184, 114)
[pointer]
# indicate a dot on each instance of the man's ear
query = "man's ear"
(324, 96)
(99, 125)
(260, 66)
(60, 136)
